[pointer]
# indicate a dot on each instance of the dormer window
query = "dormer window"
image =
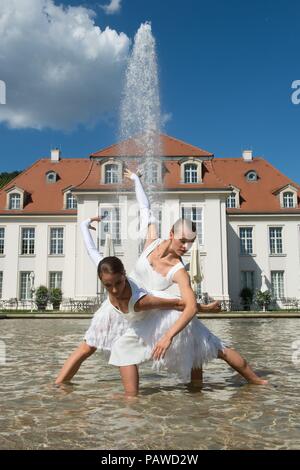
(14, 201)
(288, 196)
(71, 201)
(51, 177)
(111, 174)
(288, 199)
(152, 173)
(231, 201)
(251, 176)
(190, 171)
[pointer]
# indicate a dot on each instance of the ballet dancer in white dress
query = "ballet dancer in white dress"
(191, 347)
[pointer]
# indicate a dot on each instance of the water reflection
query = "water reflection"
(91, 413)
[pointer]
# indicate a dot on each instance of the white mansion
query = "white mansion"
(247, 215)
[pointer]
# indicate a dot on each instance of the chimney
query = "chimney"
(55, 155)
(247, 155)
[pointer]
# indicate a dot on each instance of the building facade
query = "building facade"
(247, 215)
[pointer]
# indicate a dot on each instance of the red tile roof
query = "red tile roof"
(171, 180)
(85, 175)
(170, 146)
(255, 196)
(46, 197)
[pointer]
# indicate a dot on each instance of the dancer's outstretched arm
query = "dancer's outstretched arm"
(147, 220)
(85, 227)
(188, 297)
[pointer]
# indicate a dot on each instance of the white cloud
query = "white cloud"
(113, 7)
(60, 69)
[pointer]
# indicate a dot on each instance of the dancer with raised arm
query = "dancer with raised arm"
(158, 267)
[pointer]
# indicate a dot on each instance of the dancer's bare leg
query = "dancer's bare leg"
(197, 377)
(130, 380)
(73, 362)
(237, 362)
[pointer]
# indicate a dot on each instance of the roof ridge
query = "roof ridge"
(19, 175)
(281, 174)
(185, 143)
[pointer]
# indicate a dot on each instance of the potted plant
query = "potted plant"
(55, 297)
(246, 295)
(41, 297)
(263, 299)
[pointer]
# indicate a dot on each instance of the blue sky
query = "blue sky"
(226, 69)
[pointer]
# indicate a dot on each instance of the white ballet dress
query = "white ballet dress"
(130, 337)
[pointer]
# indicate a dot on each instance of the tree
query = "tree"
(6, 177)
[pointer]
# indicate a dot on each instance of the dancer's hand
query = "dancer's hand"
(161, 347)
(128, 174)
(94, 219)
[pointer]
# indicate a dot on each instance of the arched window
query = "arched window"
(288, 199)
(111, 173)
(190, 173)
(15, 201)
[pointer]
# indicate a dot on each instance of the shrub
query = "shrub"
(55, 297)
(263, 299)
(41, 297)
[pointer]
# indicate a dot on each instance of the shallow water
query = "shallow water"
(91, 414)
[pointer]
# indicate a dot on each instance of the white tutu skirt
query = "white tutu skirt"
(132, 343)
(106, 327)
(193, 347)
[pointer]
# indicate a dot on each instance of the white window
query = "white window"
(195, 215)
(55, 279)
(111, 173)
(111, 224)
(151, 173)
(25, 284)
(15, 201)
(71, 201)
(28, 239)
(288, 199)
(231, 201)
(275, 238)
(1, 283)
(190, 173)
(2, 237)
(56, 240)
(247, 279)
(277, 282)
(246, 242)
